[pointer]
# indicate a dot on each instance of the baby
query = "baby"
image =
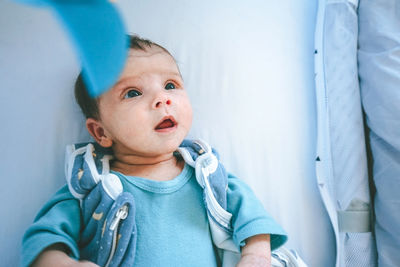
(143, 119)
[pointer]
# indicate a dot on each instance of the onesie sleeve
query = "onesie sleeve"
(59, 221)
(249, 217)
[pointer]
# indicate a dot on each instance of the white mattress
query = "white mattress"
(248, 68)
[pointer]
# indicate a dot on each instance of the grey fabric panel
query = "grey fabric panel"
(379, 70)
(346, 128)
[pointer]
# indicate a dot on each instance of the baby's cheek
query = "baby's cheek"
(188, 115)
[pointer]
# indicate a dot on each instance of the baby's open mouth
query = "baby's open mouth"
(166, 122)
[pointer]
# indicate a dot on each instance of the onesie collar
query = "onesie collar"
(161, 187)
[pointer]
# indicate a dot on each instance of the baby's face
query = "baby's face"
(147, 112)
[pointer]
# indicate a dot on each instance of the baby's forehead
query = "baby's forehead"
(151, 58)
(147, 51)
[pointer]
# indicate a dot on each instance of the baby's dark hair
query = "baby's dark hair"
(89, 105)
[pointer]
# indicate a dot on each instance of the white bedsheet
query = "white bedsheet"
(248, 68)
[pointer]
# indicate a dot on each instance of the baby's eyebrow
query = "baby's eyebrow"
(172, 73)
(122, 81)
(164, 73)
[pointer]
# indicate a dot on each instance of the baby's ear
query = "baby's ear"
(96, 130)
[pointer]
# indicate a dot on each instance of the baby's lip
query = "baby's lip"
(166, 122)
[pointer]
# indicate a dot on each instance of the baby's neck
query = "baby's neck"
(159, 169)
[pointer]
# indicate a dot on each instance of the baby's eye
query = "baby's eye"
(132, 93)
(170, 86)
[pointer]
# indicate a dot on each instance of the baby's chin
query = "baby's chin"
(173, 142)
(171, 147)
(151, 147)
(167, 147)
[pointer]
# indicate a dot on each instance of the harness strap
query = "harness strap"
(356, 218)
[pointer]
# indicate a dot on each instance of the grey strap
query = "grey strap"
(356, 218)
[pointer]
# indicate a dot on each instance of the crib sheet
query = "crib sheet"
(249, 71)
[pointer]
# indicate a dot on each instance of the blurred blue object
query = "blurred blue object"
(98, 34)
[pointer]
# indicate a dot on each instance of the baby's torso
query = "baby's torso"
(171, 220)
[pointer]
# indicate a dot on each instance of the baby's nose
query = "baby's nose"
(161, 101)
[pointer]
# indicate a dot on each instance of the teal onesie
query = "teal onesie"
(172, 224)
